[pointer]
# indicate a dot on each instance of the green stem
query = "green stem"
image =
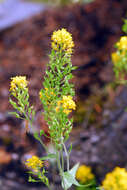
(46, 182)
(67, 155)
(41, 142)
(31, 124)
(62, 159)
(58, 163)
(49, 187)
(59, 166)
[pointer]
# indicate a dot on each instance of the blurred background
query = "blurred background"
(100, 121)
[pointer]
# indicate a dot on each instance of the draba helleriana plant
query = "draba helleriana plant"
(57, 99)
(119, 57)
(115, 180)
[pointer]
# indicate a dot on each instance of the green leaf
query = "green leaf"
(32, 180)
(124, 27)
(74, 67)
(48, 157)
(42, 132)
(70, 149)
(33, 113)
(15, 113)
(74, 169)
(29, 111)
(69, 178)
(13, 103)
(36, 136)
(67, 182)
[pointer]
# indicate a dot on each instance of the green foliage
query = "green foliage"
(56, 85)
(41, 177)
(63, 2)
(69, 178)
(119, 58)
(21, 104)
(56, 98)
(48, 157)
(90, 185)
(124, 27)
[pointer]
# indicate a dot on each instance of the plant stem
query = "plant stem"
(59, 166)
(67, 155)
(43, 145)
(58, 163)
(31, 124)
(62, 159)
(49, 187)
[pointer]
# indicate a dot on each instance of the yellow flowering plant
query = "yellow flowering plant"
(35, 164)
(85, 177)
(115, 180)
(119, 57)
(56, 97)
(19, 91)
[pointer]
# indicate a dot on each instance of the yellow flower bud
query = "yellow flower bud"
(84, 174)
(61, 39)
(18, 82)
(122, 44)
(34, 163)
(116, 180)
(67, 104)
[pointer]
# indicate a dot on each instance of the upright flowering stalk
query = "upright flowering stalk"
(19, 92)
(119, 58)
(56, 96)
(57, 99)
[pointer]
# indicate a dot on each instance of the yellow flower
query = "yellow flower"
(116, 180)
(40, 95)
(84, 174)
(34, 163)
(18, 82)
(115, 57)
(67, 104)
(62, 39)
(122, 44)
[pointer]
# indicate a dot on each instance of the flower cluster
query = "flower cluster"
(115, 57)
(34, 163)
(119, 59)
(115, 180)
(61, 39)
(122, 44)
(18, 82)
(67, 104)
(84, 174)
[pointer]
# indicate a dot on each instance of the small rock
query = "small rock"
(2, 117)
(94, 139)
(5, 157)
